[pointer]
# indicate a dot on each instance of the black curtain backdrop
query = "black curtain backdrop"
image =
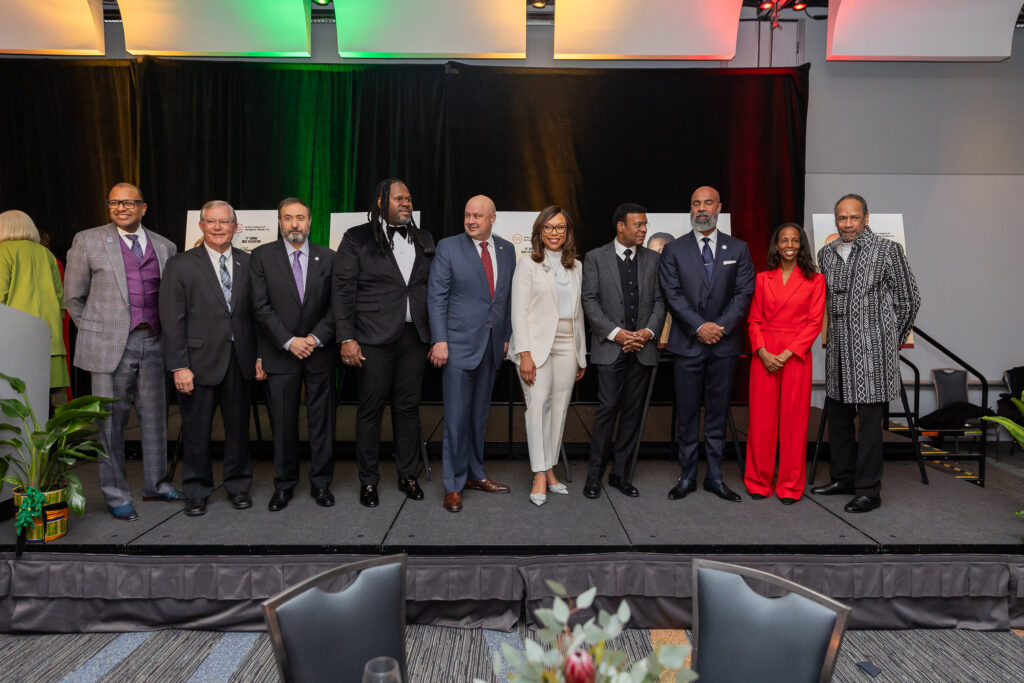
(188, 131)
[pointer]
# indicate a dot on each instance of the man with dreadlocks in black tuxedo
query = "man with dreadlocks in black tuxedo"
(380, 311)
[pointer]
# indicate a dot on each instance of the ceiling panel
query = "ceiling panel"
(218, 28)
(921, 30)
(495, 29)
(646, 29)
(54, 27)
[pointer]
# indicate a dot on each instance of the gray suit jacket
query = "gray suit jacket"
(602, 302)
(96, 294)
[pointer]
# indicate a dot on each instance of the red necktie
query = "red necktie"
(485, 258)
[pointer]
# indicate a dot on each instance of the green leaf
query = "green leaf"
(499, 665)
(603, 618)
(551, 657)
(17, 385)
(557, 588)
(547, 617)
(8, 427)
(684, 675)
(534, 652)
(73, 494)
(594, 634)
(1016, 431)
(1019, 403)
(511, 655)
(586, 598)
(548, 636)
(560, 610)
(13, 443)
(673, 656)
(623, 613)
(12, 407)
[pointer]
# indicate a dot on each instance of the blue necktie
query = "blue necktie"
(225, 280)
(136, 247)
(709, 258)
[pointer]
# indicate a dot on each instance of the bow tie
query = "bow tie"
(400, 229)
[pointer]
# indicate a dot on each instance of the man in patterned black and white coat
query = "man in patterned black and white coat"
(872, 300)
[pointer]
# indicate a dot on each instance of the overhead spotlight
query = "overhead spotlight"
(799, 6)
(767, 5)
(321, 2)
(540, 4)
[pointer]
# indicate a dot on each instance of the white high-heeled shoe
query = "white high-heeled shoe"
(538, 499)
(558, 488)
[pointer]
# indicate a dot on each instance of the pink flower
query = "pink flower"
(579, 668)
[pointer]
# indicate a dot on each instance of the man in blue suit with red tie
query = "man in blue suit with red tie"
(707, 278)
(468, 297)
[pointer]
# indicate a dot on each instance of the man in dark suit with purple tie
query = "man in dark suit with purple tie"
(707, 278)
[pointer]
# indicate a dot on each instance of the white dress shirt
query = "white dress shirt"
(713, 243)
(490, 252)
(140, 233)
(405, 257)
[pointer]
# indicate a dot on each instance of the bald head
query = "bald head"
(479, 217)
(705, 203)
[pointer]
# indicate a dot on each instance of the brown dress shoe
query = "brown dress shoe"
(487, 485)
(453, 502)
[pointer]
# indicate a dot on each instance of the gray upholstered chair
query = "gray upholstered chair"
(327, 627)
(739, 635)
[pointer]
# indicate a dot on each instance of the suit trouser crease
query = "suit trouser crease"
(467, 402)
(233, 395)
(286, 392)
(705, 377)
(780, 404)
(391, 372)
(856, 461)
(621, 390)
(547, 401)
(139, 375)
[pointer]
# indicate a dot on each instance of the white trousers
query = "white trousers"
(547, 401)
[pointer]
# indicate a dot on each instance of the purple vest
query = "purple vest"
(143, 285)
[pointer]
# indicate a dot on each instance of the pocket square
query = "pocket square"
(727, 263)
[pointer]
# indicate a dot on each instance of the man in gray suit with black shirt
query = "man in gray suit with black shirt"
(111, 291)
(623, 305)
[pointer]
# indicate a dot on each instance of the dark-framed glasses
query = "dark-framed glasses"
(554, 229)
(124, 203)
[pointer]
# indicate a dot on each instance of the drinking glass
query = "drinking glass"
(382, 670)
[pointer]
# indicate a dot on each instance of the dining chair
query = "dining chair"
(327, 627)
(739, 635)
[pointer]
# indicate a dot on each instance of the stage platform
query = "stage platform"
(939, 555)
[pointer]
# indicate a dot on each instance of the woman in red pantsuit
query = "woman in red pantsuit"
(785, 319)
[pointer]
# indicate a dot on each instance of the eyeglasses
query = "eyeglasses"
(554, 229)
(219, 221)
(125, 203)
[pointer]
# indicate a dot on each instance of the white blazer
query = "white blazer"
(535, 311)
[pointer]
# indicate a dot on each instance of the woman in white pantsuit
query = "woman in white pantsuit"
(548, 341)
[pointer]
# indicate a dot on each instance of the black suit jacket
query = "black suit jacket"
(370, 293)
(280, 315)
(196, 324)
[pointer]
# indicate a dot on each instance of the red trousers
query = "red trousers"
(779, 408)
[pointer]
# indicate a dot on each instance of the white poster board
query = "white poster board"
(255, 227)
(887, 225)
(340, 222)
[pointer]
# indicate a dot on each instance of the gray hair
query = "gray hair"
(17, 225)
(213, 205)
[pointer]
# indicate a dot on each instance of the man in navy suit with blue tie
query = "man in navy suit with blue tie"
(468, 297)
(707, 278)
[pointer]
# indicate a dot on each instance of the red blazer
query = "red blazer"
(786, 316)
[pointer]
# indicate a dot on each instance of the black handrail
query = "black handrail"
(917, 391)
(984, 382)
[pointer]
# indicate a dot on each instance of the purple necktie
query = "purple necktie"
(297, 272)
(136, 247)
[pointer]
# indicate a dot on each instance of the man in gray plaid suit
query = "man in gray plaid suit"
(110, 290)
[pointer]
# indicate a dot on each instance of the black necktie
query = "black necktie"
(629, 256)
(400, 229)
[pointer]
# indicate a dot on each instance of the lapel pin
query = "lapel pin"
(110, 239)
(316, 258)
(724, 247)
(238, 263)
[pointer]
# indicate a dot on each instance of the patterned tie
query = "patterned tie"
(485, 258)
(225, 280)
(709, 258)
(136, 247)
(297, 273)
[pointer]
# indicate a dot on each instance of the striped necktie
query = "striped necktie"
(225, 280)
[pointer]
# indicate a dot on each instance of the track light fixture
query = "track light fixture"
(539, 4)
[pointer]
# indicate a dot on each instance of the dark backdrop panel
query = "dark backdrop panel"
(589, 139)
(67, 134)
(252, 134)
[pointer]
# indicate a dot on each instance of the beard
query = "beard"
(402, 220)
(703, 221)
(296, 237)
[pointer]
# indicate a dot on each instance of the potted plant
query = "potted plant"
(1016, 430)
(579, 654)
(39, 466)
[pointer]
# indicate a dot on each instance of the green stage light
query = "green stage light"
(321, 2)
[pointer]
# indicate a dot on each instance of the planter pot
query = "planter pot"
(54, 522)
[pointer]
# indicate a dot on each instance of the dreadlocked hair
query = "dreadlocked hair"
(379, 208)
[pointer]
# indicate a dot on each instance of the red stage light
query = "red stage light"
(767, 5)
(800, 5)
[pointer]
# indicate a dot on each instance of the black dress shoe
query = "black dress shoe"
(721, 490)
(368, 496)
(833, 488)
(411, 488)
(195, 507)
(682, 488)
(625, 487)
(279, 501)
(240, 501)
(757, 496)
(592, 489)
(787, 501)
(863, 504)
(323, 496)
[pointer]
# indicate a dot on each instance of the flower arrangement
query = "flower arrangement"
(579, 654)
